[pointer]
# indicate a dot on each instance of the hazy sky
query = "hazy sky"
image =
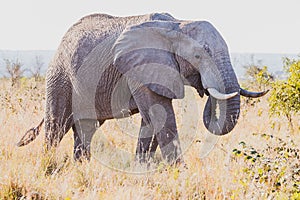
(253, 26)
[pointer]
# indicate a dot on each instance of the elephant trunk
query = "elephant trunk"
(220, 116)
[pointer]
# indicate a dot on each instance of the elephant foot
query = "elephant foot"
(81, 154)
(144, 158)
(180, 164)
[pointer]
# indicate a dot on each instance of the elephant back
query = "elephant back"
(89, 32)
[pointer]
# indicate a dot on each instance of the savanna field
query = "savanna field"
(259, 159)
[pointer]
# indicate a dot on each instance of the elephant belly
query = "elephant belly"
(107, 110)
(113, 98)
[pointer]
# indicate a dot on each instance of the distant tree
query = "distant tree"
(285, 95)
(259, 76)
(14, 70)
(36, 70)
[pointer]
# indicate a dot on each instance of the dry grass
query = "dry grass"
(226, 173)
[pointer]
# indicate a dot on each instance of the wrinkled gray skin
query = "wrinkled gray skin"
(106, 43)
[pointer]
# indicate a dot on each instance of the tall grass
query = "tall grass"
(245, 164)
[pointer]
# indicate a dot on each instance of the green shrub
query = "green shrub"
(285, 95)
(274, 170)
(258, 77)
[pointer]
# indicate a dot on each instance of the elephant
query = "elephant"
(112, 67)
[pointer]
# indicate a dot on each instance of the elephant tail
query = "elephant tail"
(30, 135)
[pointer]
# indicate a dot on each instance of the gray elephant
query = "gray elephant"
(110, 67)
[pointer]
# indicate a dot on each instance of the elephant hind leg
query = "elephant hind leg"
(55, 129)
(58, 117)
(84, 130)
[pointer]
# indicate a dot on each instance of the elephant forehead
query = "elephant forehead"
(203, 32)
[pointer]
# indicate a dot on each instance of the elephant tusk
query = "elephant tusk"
(246, 93)
(220, 96)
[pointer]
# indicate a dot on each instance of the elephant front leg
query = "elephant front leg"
(84, 130)
(159, 121)
(147, 143)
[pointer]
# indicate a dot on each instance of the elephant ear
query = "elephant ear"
(144, 55)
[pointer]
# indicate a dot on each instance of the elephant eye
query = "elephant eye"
(207, 50)
(197, 56)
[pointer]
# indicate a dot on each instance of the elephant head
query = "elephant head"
(165, 55)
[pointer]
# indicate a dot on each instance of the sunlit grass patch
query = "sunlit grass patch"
(257, 160)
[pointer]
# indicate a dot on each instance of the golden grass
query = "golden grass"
(223, 174)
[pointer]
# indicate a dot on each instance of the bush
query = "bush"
(274, 171)
(36, 70)
(258, 77)
(285, 96)
(14, 70)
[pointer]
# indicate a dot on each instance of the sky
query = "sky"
(253, 26)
